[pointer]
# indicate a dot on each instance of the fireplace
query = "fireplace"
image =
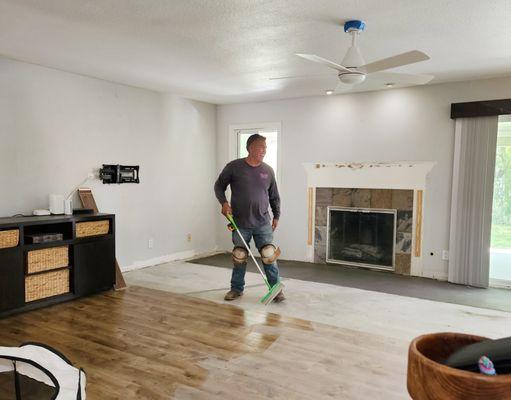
(370, 228)
(361, 237)
(363, 190)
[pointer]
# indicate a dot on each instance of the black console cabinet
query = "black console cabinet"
(91, 259)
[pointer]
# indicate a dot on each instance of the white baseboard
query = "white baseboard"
(180, 256)
(438, 275)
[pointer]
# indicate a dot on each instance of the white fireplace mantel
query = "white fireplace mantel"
(375, 175)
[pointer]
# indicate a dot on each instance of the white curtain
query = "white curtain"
(472, 195)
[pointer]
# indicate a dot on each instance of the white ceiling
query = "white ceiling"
(225, 51)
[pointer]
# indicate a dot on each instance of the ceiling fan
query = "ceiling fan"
(353, 70)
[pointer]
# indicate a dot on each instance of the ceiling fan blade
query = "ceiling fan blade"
(302, 76)
(324, 61)
(409, 57)
(400, 79)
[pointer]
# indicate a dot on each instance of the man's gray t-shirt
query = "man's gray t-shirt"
(253, 190)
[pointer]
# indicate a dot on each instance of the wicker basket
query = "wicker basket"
(46, 259)
(9, 238)
(45, 285)
(92, 228)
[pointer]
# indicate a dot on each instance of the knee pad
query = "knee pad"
(239, 255)
(269, 253)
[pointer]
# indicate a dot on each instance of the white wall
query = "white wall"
(55, 127)
(400, 124)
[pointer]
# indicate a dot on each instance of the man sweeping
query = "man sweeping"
(253, 191)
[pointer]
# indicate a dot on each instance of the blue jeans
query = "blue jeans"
(262, 235)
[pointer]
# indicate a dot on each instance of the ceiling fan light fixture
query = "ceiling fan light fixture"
(352, 79)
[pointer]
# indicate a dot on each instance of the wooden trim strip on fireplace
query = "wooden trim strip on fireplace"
(310, 192)
(418, 225)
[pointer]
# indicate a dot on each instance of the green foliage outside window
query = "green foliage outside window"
(501, 223)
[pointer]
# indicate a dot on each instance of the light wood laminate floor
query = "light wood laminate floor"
(148, 344)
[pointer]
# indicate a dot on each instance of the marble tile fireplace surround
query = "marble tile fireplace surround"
(367, 214)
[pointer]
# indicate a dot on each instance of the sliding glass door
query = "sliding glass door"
(500, 251)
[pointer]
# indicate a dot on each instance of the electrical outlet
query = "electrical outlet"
(150, 243)
(189, 237)
(445, 255)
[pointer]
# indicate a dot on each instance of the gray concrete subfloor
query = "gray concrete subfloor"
(381, 281)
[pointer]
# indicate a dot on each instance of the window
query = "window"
(271, 136)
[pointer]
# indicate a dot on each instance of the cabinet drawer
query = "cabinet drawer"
(47, 259)
(46, 284)
(92, 228)
(9, 238)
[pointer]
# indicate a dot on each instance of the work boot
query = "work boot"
(280, 297)
(232, 294)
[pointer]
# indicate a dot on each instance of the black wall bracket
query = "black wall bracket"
(111, 173)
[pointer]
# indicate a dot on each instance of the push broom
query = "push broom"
(274, 290)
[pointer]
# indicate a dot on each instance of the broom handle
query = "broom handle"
(231, 220)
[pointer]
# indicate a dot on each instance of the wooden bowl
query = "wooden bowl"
(428, 379)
